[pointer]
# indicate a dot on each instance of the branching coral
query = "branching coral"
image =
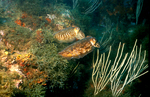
(122, 72)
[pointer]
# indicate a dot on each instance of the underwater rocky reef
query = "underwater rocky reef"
(69, 48)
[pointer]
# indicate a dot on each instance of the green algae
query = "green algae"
(49, 61)
(7, 83)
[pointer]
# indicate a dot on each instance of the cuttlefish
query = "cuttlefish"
(69, 35)
(80, 48)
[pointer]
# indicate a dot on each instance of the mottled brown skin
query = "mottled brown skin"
(69, 35)
(79, 49)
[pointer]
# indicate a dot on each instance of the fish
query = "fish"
(80, 48)
(69, 34)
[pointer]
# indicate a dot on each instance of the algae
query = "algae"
(7, 83)
(49, 61)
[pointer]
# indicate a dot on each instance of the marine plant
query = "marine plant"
(8, 82)
(14, 37)
(140, 32)
(49, 61)
(28, 90)
(131, 67)
(138, 9)
(32, 88)
(27, 5)
(88, 5)
(5, 84)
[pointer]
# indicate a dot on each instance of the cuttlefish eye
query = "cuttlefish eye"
(93, 42)
(76, 29)
(97, 45)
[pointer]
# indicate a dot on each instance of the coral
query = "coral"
(49, 20)
(18, 22)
